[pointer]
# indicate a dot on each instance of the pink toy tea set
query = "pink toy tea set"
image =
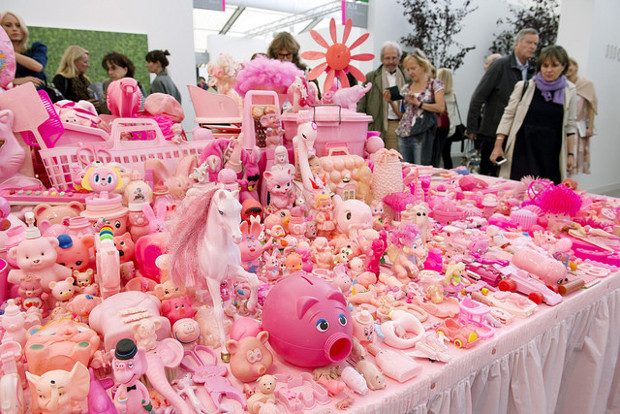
(278, 261)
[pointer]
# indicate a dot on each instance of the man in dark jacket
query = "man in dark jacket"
(491, 96)
(373, 103)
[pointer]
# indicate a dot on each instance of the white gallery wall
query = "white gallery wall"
(590, 32)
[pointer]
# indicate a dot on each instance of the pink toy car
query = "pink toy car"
(521, 282)
(308, 321)
(460, 335)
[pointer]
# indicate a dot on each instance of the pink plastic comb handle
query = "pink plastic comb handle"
(51, 129)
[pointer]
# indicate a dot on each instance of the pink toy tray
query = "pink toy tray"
(58, 161)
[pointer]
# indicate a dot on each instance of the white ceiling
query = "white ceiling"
(207, 22)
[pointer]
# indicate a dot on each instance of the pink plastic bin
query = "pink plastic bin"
(337, 126)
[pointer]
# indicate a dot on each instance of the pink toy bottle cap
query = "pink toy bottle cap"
(79, 226)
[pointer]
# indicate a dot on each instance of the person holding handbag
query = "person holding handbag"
(539, 123)
(423, 100)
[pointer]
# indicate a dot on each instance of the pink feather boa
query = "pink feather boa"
(266, 74)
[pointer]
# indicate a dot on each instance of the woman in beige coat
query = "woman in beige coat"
(539, 122)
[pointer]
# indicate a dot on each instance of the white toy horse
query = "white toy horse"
(204, 248)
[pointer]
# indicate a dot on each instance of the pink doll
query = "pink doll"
(453, 281)
(250, 246)
(272, 124)
(279, 183)
(292, 263)
(324, 217)
(74, 252)
(321, 253)
(378, 246)
(297, 223)
(378, 221)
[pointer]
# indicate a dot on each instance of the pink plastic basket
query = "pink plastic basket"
(58, 161)
(49, 130)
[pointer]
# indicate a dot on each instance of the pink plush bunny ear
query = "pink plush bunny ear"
(256, 229)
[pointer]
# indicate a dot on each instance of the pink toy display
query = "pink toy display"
(308, 321)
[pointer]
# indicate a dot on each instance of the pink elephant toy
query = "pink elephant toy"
(178, 308)
(36, 256)
(250, 246)
(168, 353)
(348, 97)
(59, 391)
(74, 252)
(308, 321)
(59, 345)
(352, 216)
(249, 359)
(117, 314)
(280, 190)
(129, 363)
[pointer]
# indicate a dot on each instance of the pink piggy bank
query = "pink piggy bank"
(308, 321)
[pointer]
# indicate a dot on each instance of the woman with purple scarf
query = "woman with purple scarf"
(538, 124)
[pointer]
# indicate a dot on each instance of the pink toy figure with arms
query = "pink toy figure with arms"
(129, 364)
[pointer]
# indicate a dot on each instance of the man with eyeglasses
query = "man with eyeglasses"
(492, 93)
(376, 102)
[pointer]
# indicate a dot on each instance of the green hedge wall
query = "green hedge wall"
(98, 44)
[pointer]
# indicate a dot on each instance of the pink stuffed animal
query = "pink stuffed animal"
(55, 214)
(178, 308)
(64, 290)
(125, 246)
(74, 252)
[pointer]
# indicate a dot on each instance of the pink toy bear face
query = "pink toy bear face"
(59, 389)
(83, 279)
(74, 252)
(102, 178)
(178, 308)
(30, 291)
(125, 246)
(56, 214)
(59, 344)
(312, 327)
(63, 290)
(250, 359)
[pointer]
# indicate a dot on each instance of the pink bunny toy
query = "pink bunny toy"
(250, 246)
(271, 267)
(157, 222)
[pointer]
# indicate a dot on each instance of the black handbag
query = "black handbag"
(459, 132)
(424, 122)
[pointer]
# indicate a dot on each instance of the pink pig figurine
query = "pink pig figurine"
(249, 359)
(187, 332)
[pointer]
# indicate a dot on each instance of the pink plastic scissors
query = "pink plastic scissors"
(89, 153)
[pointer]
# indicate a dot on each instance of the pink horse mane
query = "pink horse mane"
(189, 230)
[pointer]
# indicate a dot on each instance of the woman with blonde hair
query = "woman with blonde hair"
(71, 79)
(31, 60)
(447, 121)
(424, 99)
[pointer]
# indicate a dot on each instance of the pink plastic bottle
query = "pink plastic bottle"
(79, 226)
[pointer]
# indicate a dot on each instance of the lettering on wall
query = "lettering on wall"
(612, 52)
